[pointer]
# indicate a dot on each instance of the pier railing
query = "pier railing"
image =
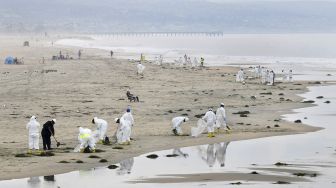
(159, 34)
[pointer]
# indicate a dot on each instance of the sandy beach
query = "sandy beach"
(74, 91)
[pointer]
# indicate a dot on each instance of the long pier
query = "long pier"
(159, 34)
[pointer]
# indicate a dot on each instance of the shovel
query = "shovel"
(57, 142)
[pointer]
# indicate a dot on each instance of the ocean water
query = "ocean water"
(310, 56)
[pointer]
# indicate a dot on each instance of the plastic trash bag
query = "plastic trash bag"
(201, 126)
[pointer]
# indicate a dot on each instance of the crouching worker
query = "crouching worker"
(101, 129)
(123, 131)
(177, 123)
(86, 141)
(47, 131)
(33, 129)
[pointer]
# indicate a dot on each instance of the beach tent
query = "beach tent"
(9, 60)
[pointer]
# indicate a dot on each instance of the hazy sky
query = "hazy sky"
(169, 15)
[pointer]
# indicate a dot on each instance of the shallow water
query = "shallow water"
(311, 151)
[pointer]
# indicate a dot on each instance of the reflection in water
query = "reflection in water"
(34, 182)
(212, 152)
(179, 152)
(125, 166)
(221, 152)
(211, 158)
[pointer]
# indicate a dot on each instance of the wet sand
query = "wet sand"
(74, 91)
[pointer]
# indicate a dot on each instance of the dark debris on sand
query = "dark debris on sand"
(112, 167)
(152, 156)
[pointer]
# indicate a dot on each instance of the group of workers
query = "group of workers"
(188, 62)
(213, 121)
(266, 76)
(86, 137)
(33, 127)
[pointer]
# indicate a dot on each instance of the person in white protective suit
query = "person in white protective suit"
(259, 71)
(256, 72)
(102, 126)
(140, 68)
(127, 116)
(267, 76)
(177, 123)
(221, 152)
(263, 76)
(125, 166)
(290, 76)
(195, 63)
(34, 132)
(86, 139)
(210, 119)
(221, 118)
(123, 131)
(284, 76)
(271, 78)
(160, 60)
(240, 76)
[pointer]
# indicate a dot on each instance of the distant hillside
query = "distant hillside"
(102, 16)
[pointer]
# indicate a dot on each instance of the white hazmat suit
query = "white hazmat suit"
(102, 126)
(86, 139)
(271, 78)
(240, 76)
(210, 118)
(220, 117)
(290, 76)
(34, 131)
(124, 132)
(140, 68)
(177, 122)
(127, 116)
(263, 76)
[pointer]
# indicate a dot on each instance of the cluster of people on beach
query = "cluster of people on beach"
(187, 61)
(86, 137)
(266, 76)
(210, 120)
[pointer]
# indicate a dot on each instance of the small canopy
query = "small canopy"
(9, 60)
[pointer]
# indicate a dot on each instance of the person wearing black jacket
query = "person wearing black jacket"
(47, 131)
